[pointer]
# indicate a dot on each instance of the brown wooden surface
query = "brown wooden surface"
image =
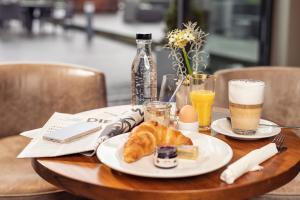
(86, 176)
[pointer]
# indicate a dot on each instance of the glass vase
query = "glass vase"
(182, 96)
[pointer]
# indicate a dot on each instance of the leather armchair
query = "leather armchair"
(29, 94)
(282, 94)
(281, 105)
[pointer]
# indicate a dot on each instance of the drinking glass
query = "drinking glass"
(246, 97)
(168, 87)
(202, 96)
(157, 111)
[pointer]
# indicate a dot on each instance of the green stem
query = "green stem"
(187, 62)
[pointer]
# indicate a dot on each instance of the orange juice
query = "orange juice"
(202, 101)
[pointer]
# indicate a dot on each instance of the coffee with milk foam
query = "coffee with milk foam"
(245, 104)
(246, 92)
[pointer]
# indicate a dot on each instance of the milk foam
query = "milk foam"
(246, 91)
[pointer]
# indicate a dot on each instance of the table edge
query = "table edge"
(288, 175)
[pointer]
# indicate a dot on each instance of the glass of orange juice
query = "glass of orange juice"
(202, 96)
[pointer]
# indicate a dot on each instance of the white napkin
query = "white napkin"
(249, 162)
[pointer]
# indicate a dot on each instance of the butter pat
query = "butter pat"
(187, 152)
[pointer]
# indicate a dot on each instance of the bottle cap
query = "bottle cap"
(143, 36)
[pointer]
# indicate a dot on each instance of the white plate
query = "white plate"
(213, 154)
(223, 126)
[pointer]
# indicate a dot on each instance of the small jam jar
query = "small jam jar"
(165, 157)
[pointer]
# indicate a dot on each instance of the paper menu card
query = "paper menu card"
(38, 147)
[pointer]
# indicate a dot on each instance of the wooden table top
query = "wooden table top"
(86, 176)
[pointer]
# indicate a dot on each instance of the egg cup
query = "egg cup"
(188, 126)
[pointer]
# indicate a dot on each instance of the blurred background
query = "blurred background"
(101, 33)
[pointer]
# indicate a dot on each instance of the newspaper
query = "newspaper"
(110, 120)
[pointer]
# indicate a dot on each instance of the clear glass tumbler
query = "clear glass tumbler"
(157, 111)
(168, 87)
(202, 96)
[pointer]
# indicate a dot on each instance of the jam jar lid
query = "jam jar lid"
(166, 152)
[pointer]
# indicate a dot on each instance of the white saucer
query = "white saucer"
(223, 126)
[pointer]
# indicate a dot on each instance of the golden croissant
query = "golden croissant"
(145, 137)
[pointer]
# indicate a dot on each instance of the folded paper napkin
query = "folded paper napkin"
(249, 162)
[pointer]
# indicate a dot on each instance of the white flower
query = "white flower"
(189, 39)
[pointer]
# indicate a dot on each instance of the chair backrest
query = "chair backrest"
(31, 92)
(282, 94)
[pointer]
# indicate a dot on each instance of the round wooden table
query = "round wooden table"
(87, 177)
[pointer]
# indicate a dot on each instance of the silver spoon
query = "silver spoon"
(271, 125)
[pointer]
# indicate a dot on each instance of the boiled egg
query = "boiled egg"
(188, 114)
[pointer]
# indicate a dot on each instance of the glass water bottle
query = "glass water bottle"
(143, 72)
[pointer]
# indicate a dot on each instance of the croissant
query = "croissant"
(145, 137)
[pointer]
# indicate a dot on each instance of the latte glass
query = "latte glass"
(246, 98)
